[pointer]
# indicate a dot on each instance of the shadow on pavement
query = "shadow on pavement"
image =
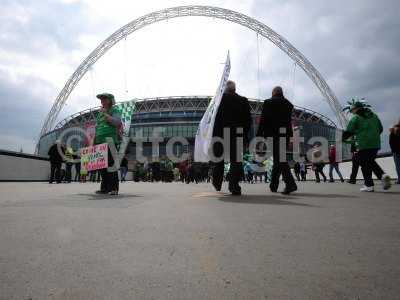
(387, 192)
(261, 199)
(317, 195)
(107, 197)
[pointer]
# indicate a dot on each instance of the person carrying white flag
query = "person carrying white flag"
(206, 126)
(230, 137)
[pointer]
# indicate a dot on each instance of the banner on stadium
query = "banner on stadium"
(206, 126)
(94, 157)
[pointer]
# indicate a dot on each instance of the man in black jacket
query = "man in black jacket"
(394, 141)
(56, 153)
(276, 123)
(234, 115)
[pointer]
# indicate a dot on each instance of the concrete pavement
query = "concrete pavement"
(178, 241)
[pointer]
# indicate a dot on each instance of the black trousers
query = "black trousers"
(109, 180)
(366, 159)
(68, 172)
(319, 169)
(234, 175)
(297, 174)
(236, 167)
(280, 167)
(354, 167)
(77, 171)
(376, 169)
(55, 172)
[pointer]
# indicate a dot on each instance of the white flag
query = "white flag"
(205, 131)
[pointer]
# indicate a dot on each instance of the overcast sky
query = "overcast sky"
(354, 44)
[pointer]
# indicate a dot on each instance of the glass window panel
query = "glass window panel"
(184, 130)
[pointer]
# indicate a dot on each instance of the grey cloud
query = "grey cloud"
(353, 42)
(22, 107)
(33, 27)
(33, 30)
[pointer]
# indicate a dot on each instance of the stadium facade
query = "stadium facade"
(178, 117)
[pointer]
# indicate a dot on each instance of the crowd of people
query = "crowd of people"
(363, 133)
(164, 170)
(58, 154)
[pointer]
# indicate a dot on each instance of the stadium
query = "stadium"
(179, 117)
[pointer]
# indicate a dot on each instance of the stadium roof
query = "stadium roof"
(186, 103)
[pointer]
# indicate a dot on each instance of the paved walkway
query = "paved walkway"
(178, 241)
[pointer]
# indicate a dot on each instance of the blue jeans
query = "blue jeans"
(334, 166)
(396, 157)
(124, 171)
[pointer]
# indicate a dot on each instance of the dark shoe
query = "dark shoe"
(289, 190)
(351, 181)
(273, 188)
(113, 193)
(216, 186)
(342, 180)
(331, 180)
(386, 182)
(236, 192)
(235, 189)
(100, 192)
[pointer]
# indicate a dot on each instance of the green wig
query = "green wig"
(356, 103)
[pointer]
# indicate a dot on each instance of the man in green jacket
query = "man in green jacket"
(366, 128)
(108, 124)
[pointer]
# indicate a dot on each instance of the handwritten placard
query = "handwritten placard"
(94, 157)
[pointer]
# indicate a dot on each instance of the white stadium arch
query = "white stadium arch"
(191, 11)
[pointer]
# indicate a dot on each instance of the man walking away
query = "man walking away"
(69, 161)
(333, 164)
(303, 171)
(124, 168)
(394, 141)
(77, 164)
(318, 163)
(366, 127)
(296, 169)
(233, 114)
(275, 123)
(56, 153)
(182, 170)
